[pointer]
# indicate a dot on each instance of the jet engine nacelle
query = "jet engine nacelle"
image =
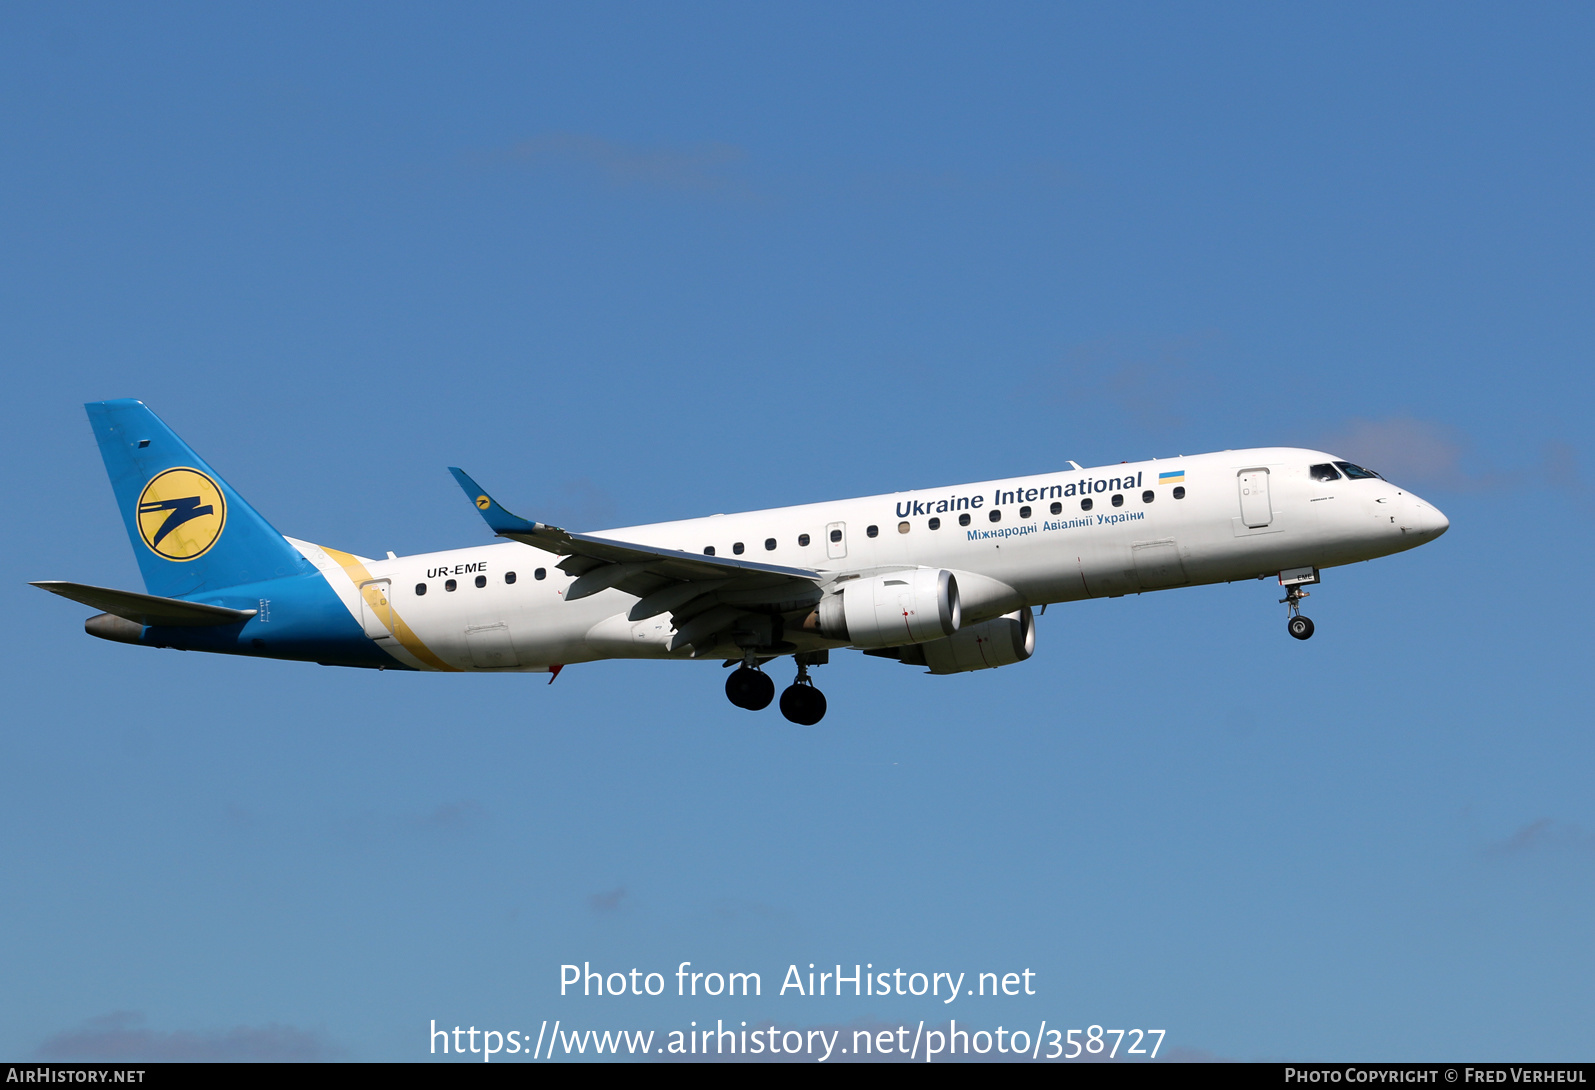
(1001, 641)
(897, 608)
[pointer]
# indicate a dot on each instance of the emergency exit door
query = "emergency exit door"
(376, 609)
(836, 540)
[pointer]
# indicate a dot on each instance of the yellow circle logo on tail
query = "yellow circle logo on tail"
(181, 513)
(483, 503)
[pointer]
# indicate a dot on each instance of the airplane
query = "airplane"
(943, 578)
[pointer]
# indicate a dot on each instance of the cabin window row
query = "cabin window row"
(994, 515)
(481, 581)
(770, 543)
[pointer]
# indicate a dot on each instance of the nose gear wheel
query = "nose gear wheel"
(1297, 625)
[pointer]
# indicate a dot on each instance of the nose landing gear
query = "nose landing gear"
(802, 703)
(1298, 626)
(1294, 580)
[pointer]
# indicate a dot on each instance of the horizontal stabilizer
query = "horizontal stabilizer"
(146, 609)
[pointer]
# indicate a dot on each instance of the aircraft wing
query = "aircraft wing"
(705, 595)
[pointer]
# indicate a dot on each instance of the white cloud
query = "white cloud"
(1422, 453)
(607, 900)
(1541, 836)
(1408, 450)
(1142, 377)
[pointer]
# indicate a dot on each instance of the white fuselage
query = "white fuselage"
(1244, 514)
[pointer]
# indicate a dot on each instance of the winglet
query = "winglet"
(498, 520)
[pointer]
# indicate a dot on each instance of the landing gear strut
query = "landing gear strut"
(802, 703)
(751, 688)
(1294, 580)
(1298, 626)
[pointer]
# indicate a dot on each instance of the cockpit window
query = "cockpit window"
(1357, 473)
(1325, 472)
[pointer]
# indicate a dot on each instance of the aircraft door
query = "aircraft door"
(491, 646)
(836, 540)
(376, 609)
(1157, 563)
(1257, 509)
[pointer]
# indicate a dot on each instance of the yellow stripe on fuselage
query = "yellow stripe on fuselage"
(359, 575)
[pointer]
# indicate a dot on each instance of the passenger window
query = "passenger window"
(934, 524)
(420, 589)
(803, 541)
(1085, 504)
(1024, 512)
(1148, 496)
(449, 584)
(995, 515)
(963, 519)
(1118, 499)
(1324, 472)
(902, 527)
(769, 544)
(872, 531)
(1056, 508)
(736, 547)
(481, 581)
(836, 536)
(1179, 491)
(509, 577)
(708, 550)
(540, 573)
(1357, 473)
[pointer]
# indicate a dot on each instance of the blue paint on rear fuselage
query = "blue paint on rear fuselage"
(300, 618)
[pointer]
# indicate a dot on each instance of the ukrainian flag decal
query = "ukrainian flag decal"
(1175, 477)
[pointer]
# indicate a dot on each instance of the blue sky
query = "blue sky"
(628, 263)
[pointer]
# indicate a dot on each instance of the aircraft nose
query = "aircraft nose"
(1428, 521)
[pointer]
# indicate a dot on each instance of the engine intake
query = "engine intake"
(906, 607)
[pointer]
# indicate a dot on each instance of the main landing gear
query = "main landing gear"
(751, 688)
(802, 703)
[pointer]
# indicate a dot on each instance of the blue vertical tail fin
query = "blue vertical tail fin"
(190, 530)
